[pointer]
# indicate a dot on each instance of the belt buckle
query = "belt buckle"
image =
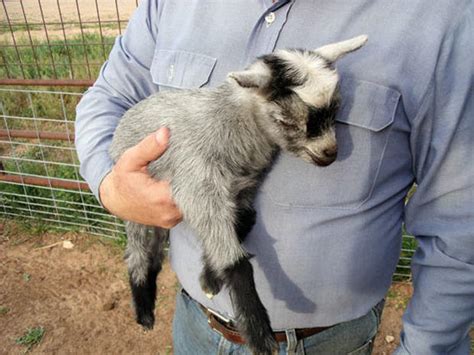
(227, 321)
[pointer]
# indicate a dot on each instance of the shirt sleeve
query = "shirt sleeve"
(123, 81)
(441, 212)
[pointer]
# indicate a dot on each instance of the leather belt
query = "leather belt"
(232, 334)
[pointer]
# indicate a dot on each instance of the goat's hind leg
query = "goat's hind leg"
(144, 256)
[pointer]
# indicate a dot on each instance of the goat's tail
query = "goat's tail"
(144, 256)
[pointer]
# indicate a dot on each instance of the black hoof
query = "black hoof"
(211, 284)
(258, 334)
(147, 321)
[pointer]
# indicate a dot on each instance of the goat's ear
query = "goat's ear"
(245, 79)
(257, 76)
(334, 51)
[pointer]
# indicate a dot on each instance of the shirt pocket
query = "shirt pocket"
(173, 69)
(362, 131)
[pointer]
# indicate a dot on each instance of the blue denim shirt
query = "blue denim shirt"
(327, 240)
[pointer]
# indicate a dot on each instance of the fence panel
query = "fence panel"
(39, 177)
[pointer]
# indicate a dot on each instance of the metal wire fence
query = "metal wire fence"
(60, 44)
(39, 178)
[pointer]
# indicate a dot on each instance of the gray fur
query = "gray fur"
(221, 142)
(143, 249)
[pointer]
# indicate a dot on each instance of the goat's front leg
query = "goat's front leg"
(244, 221)
(144, 256)
(210, 281)
(251, 316)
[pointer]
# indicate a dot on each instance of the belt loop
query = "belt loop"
(292, 341)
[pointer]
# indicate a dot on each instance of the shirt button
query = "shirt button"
(170, 73)
(270, 18)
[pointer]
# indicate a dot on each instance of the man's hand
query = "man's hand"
(130, 193)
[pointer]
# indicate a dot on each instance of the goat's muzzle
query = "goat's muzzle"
(328, 157)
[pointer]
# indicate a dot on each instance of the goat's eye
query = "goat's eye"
(288, 125)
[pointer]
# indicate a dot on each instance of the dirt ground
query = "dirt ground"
(80, 297)
(69, 12)
(68, 8)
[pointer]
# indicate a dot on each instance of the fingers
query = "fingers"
(130, 193)
(136, 197)
(149, 149)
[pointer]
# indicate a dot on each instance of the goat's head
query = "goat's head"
(302, 86)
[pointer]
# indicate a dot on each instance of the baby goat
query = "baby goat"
(222, 141)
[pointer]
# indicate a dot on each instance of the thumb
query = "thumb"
(147, 150)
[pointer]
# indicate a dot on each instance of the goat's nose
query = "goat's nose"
(330, 153)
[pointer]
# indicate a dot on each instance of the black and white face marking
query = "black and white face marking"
(305, 86)
(284, 76)
(321, 119)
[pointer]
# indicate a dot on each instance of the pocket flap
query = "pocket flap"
(180, 69)
(367, 105)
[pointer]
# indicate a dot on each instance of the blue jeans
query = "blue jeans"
(193, 336)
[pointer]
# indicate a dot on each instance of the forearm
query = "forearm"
(96, 120)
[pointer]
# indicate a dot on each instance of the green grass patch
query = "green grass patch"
(403, 271)
(121, 240)
(58, 59)
(4, 310)
(23, 230)
(52, 106)
(52, 28)
(398, 299)
(26, 277)
(31, 337)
